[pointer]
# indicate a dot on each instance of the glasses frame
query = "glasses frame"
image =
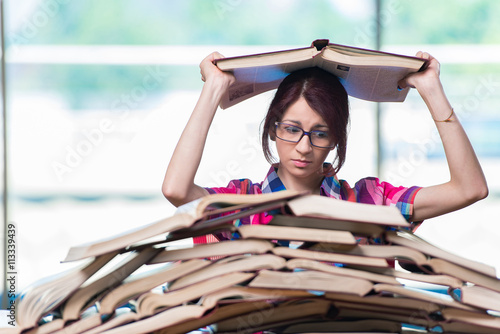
(304, 133)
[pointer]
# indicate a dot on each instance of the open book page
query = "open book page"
(270, 232)
(292, 311)
(231, 311)
(122, 316)
(369, 75)
(268, 58)
(359, 56)
(411, 240)
(47, 328)
(324, 207)
(441, 266)
(223, 249)
(378, 251)
(88, 293)
(341, 271)
(471, 317)
(480, 297)
(383, 300)
(357, 228)
(371, 83)
(426, 296)
(81, 325)
(242, 263)
(242, 294)
(121, 241)
(46, 295)
(311, 280)
(252, 81)
(150, 302)
(188, 217)
(138, 284)
(348, 259)
(221, 203)
(161, 320)
(404, 276)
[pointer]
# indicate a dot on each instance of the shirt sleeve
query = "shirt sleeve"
(239, 186)
(371, 191)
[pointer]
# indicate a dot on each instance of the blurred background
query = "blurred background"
(98, 92)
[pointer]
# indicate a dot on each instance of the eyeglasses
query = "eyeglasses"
(294, 134)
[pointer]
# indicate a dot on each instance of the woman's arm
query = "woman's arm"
(178, 186)
(467, 183)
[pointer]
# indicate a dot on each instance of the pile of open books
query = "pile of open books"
(319, 266)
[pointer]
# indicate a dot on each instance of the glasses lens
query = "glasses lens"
(293, 134)
(320, 138)
(288, 132)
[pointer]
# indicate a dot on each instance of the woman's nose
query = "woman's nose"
(304, 145)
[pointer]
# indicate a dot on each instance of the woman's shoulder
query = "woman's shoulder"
(375, 191)
(237, 186)
(372, 182)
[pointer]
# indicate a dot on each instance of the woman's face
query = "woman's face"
(301, 161)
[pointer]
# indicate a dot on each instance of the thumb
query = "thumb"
(402, 84)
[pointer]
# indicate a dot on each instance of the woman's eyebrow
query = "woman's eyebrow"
(299, 123)
(291, 121)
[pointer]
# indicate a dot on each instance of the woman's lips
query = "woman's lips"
(301, 163)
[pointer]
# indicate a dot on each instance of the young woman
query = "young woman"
(308, 118)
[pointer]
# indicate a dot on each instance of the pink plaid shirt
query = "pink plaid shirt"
(368, 190)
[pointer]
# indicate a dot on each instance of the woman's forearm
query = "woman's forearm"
(178, 185)
(467, 183)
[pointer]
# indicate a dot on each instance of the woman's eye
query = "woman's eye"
(292, 129)
(321, 134)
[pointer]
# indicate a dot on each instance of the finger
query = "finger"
(210, 58)
(218, 55)
(402, 84)
(215, 55)
(424, 55)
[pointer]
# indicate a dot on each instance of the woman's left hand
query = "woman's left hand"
(426, 78)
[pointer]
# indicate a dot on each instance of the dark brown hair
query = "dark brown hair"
(324, 93)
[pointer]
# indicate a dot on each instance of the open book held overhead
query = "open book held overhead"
(366, 74)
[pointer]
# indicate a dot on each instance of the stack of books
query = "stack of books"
(319, 266)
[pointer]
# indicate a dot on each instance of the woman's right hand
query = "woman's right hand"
(211, 73)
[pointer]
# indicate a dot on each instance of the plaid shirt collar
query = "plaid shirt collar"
(330, 186)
